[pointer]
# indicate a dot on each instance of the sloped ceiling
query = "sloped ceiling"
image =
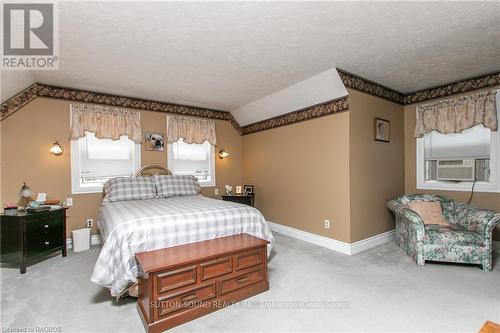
(225, 55)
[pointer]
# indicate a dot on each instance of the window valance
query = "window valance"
(457, 114)
(105, 122)
(191, 129)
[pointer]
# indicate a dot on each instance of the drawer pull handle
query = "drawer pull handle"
(46, 226)
(242, 280)
(188, 298)
(47, 243)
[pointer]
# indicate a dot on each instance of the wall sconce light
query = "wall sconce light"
(56, 148)
(223, 154)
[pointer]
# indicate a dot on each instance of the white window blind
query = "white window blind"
(94, 161)
(192, 159)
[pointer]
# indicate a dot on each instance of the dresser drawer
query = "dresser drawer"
(247, 277)
(248, 259)
(185, 300)
(174, 279)
(46, 225)
(215, 268)
(44, 234)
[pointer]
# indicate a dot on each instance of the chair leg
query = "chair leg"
(487, 265)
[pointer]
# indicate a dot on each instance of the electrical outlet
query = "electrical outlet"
(69, 202)
(327, 224)
(90, 223)
(216, 191)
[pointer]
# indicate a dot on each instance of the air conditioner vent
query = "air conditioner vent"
(456, 170)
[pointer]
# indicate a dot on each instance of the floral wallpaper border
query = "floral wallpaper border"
(18, 101)
(41, 90)
(458, 87)
(325, 109)
(356, 82)
(375, 89)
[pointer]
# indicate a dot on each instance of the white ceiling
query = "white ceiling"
(224, 55)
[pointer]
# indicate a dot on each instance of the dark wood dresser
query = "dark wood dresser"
(31, 237)
(181, 283)
(240, 198)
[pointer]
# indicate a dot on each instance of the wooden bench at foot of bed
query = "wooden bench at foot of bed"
(184, 282)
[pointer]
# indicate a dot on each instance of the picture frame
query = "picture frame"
(382, 130)
(239, 189)
(248, 190)
(154, 141)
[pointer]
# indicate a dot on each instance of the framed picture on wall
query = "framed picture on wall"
(154, 141)
(382, 130)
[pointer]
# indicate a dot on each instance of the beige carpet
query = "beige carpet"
(379, 290)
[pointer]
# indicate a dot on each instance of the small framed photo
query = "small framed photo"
(239, 189)
(382, 130)
(154, 141)
(248, 189)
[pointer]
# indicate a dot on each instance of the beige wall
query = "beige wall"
(481, 199)
(376, 168)
(301, 174)
(27, 135)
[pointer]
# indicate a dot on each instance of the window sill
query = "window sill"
(91, 190)
(440, 186)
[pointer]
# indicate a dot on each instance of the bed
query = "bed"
(129, 227)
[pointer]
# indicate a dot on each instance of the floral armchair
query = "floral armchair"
(468, 239)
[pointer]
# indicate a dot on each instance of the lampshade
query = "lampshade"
(56, 148)
(223, 154)
(25, 191)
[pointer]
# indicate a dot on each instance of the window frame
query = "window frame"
(170, 161)
(493, 186)
(76, 188)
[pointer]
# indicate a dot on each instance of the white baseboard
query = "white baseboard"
(329, 243)
(94, 240)
(373, 241)
(333, 244)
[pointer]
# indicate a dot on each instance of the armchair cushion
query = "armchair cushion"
(429, 211)
(449, 236)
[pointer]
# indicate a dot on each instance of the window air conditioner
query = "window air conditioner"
(456, 170)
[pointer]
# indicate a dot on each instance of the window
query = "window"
(455, 161)
(94, 161)
(192, 159)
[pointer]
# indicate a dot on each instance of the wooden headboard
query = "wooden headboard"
(148, 170)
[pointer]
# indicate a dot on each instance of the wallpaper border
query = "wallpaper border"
(372, 88)
(352, 81)
(320, 110)
(458, 87)
(19, 100)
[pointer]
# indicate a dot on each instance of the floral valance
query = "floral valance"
(191, 129)
(457, 114)
(105, 122)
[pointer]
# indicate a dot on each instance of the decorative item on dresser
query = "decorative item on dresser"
(29, 237)
(181, 283)
(240, 198)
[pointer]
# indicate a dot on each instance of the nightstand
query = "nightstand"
(32, 237)
(240, 198)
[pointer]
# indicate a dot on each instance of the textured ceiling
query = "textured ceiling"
(224, 55)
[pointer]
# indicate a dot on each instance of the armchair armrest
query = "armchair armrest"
(412, 218)
(482, 221)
